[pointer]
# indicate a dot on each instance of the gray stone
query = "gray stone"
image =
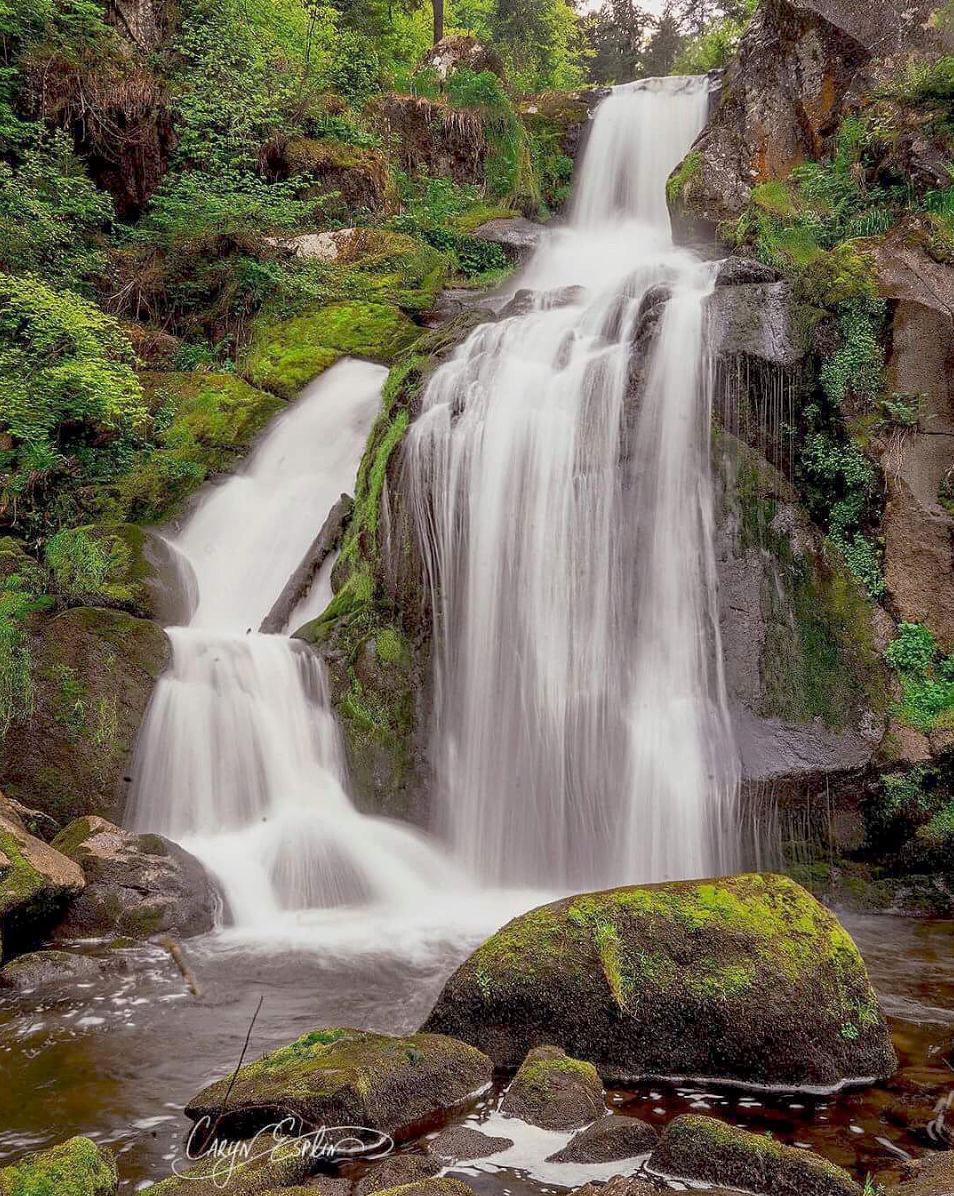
(607, 1140)
(463, 1142)
(516, 235)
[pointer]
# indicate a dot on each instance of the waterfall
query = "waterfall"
(564, 508)
(239, 758)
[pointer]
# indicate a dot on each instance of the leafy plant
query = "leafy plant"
(927, 678)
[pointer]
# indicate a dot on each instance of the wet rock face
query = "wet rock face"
(758, 321)
(553, 1091)
(516, 235)
(94, 675)
(615, 977)
(36, 882)
(349, 1077)
(798, 65)
(707, 1150)
(136, 885)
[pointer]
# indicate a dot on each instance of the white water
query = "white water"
(582, 735)
(239, 758)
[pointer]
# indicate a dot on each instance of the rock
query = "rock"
(616, 977)
(904, 745)
(41, 825)
(621, 1185)
(281, 1165)
(36, 883)
(323, 247)
(562, 116)
(361, 177)
(931, 1176)
(462, 1142)
(799, 66)
(41, 968)
(516, 235)
(607, 1140)
(349, 1077)
(136, 885)
(457, 52)
(75, 1168)
(740, 271)
(432, 1187)
(760, 321)
(299, 584)
(525, 300)
(394, 1172)
(432, 138)
(553, 1091)
(94, 675)
(705, 1149)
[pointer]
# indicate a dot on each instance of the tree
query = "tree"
(663, 45)
(616, 33)
(438, 20)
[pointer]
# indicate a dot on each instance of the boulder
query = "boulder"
(800, 65)
(554, 1092)
(279, 1165)
(75, 1168)
(618, 977)
(760, 321)
(463, 1142)
(41, 968)
(349, 1077)
(621, 1185)
(740, 271)
(136, 885)
(94, 674)
(36, 882)
(707, 1150)
(525, 300)
(516, 235)
(394, 1172)
(607, 1140)
(931, 1176)
(432, 1187)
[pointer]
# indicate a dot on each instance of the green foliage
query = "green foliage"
(82, 564)
(52, 218)
(924, 82)
(712, 49)
(857, 365)
(681, 178)
(927, 678)
(17, 604)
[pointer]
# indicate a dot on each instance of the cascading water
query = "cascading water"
(239, 758)
(565, 516)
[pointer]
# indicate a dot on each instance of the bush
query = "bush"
(927, 678)
(82, 565)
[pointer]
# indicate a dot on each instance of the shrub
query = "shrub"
(927, 678)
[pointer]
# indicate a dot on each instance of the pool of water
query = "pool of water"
(118, 1059)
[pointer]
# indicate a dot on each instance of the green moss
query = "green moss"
(72, 837)
(284, 356)
(75, 1168)
(679, 183)
(389, 645)
(20, 881)
(537, 1074)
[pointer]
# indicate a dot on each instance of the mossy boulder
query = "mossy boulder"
(75, 1168)
(36, 882)
(704, 1149)
(286, 355)
(394, 1172)
(136, 885)
(608, 1139)
(555, 1092)
(94, 673)
(146, 575)
(431, 1187)
(39, 969)
(931, 1176)
(278, 1165)
(624, 977)
(348, 1077)
(360, 176)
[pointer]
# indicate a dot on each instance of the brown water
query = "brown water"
(118, 1059)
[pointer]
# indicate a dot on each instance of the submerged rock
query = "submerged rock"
(704, 1149)
(462, 1142)
(616, 978)
(607, 1140)
(94, 674)
(41, 968)
(136, 885)
(36, 882)
(77, 1167)
(553, 1091)
(348, 1077)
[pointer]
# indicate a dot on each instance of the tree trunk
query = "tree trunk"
(438, 20)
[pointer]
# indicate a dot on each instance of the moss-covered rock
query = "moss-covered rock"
(394, 1172)
(284, 356)
(205, 424)
(708, 1150)
(931, 1176)
(94, 674)
(358, 176)
(39, 969)
(431, 1187)
(555, 1092)
(348, 1077)
(75, 1168)
(36, 882)
(608, 1139)
(277, 1165)
(136, 885)
(620, 977)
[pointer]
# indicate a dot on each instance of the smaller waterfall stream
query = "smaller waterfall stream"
(239, 758)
